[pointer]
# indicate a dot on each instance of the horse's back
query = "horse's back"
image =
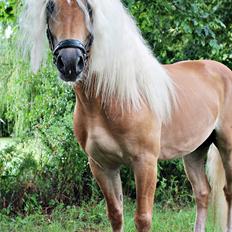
(207, 70)
(203, 93)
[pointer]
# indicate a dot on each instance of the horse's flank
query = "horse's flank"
(201, 91)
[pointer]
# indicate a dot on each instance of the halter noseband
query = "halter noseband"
(68, 43)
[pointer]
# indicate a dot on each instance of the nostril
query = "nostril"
(80, 65)
(60, 64)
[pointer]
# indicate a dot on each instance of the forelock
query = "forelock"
(87, 10)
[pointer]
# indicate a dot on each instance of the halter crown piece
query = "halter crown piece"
(68, 43)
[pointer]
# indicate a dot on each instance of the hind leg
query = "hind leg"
(195, 170)
(224, 144)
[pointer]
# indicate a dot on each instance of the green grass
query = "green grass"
(92, 218)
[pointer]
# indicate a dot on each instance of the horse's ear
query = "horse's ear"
(50, 8)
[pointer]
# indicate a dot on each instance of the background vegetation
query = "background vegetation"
(45, 166)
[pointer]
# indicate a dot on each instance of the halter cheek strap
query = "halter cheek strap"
(50, 38)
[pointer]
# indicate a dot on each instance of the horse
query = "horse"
(132, 110)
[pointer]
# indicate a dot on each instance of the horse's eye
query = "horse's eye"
(50, 7)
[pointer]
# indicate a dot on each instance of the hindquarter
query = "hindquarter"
(224, 124)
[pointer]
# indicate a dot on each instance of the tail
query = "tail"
(216, 175)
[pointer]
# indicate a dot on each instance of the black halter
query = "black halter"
(68, 43)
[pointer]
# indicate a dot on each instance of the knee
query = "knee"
(143, 222)
(116, 216)
(202, 198)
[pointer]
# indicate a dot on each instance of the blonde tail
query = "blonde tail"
(216, 175)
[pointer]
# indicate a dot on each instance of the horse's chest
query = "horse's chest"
(102, 146)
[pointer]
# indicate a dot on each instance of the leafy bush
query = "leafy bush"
(181, 30)
(41, 108)
(35, 175)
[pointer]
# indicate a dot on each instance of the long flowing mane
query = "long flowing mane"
(121, 61)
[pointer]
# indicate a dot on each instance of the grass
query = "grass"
(92, 218)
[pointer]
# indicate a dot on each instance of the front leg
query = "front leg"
(110, 183)
(145, 171)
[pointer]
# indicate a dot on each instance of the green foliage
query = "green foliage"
(173, 184)
(180, 30)
(34, 175)
(38, 108)
(8, 10)
(41, 107)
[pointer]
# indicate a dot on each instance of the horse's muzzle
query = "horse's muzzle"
(70, 62)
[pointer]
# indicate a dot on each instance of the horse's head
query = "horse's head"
(69, 36)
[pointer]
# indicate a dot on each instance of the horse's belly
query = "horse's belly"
(183, 145)
(187, 133)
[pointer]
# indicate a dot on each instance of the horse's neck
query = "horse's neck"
(86, 99)
(91, 105)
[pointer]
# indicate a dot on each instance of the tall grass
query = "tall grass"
(92, 218)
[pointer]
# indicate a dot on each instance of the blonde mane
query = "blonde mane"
(121, 61)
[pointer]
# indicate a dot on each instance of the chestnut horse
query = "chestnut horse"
(132, 110)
